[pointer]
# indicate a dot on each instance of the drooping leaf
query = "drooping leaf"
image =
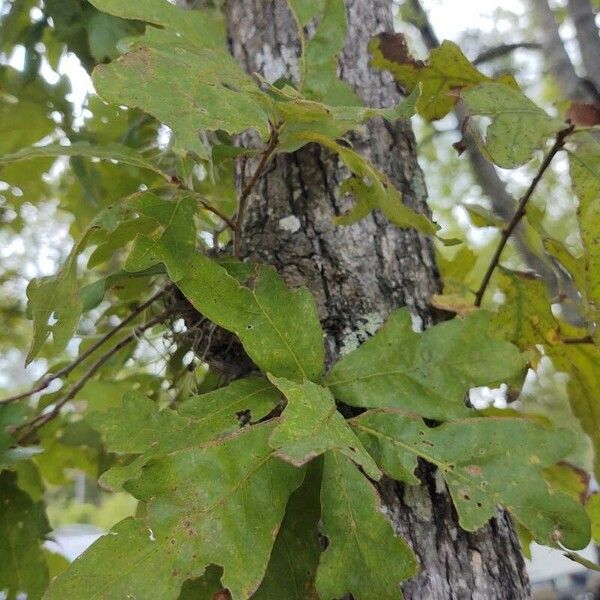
(295, 555)
(312, 425)
(23, 525)
(210, 90)
(446, 70)
(428, 373)
(54, 296)
(518, 125)
(478, 461)
(593, 510)
(279, 328)
(363, 557)
(114, 152)
(371, 189)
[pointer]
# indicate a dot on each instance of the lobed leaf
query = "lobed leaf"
(428, 373)
(363, 557)
(311, 425)
(518, 125)
(279, 329)
(478, 461)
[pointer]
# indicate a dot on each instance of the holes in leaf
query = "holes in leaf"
(244, 417)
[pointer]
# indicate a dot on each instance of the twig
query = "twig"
(34, 424)
(264, 159)
(586, 339)
(71, 366)
(520, 211)
(588, 564)
(230, 223)
(503, 49)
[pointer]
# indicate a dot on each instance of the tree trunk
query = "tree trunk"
(584, 19)
(359, 274)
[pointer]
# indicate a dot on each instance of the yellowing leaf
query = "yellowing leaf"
(428, 373)
(363, 557)
(446, 70)
(483, 467)
(279, 329)
(518, 125)
(525, 318)
(311, 425)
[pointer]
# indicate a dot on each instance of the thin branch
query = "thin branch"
(48, 379)
(520, 212)
(503, 50)
(36, 423)
(586, 339)
(264, 159)
(213, 209)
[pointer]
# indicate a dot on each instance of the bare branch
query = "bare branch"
(48, 379)
(33, 425)
(520, 212)
(503, 50)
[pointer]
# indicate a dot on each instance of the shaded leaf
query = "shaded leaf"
(23, 525)
(428, 373)
(476, 457)
(296, 552)
(364, 557)
(311, 425)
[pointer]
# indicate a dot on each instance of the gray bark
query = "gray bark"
(359, 274)
(558, 61)
(584, 19)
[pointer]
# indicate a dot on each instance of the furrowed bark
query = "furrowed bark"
(359, 274)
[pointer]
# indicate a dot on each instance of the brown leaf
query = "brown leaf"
(584, 114)
(393, 47)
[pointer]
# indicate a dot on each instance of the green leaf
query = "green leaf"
(23, 525)
(585, 177)
(321, 80)
(55, 296)
(593, 510)
(306, 10)
(311, 425)
(136, 564)
(174, 242)
(183, 75)
(279, 329)
(221, 504)
(482, 468)
(428, 373)
(296, 552)
(364, 557)
(140, 427)
(371, 189)
(446, 70)
(518, 125)
(114, 152)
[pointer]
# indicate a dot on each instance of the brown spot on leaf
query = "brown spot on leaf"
(474, 470)
(222, 595)
(394, 48)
